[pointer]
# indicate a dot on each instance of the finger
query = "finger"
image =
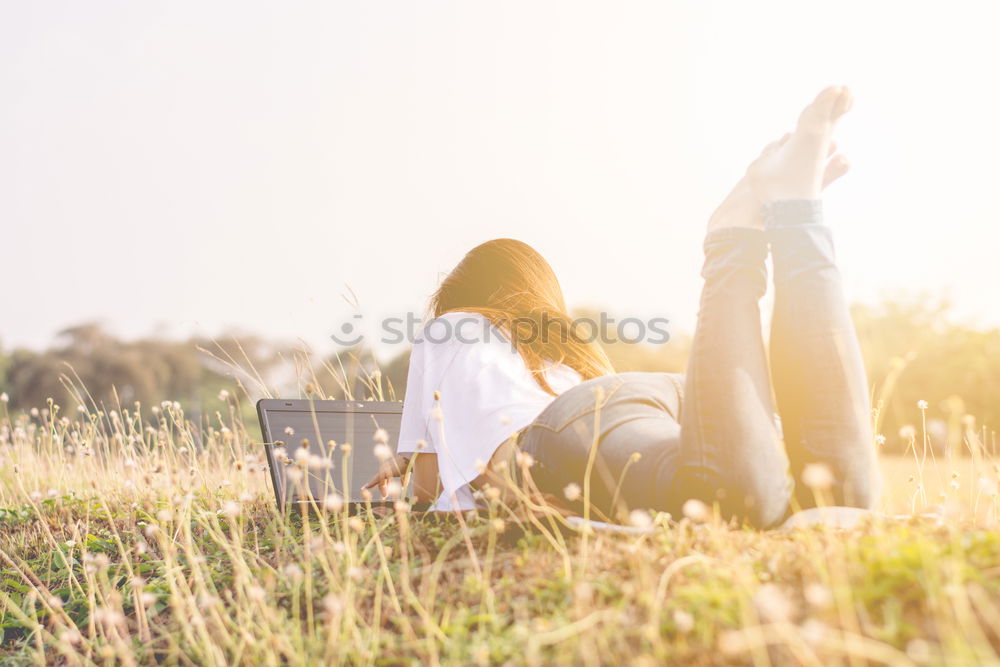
(377, 479)
(384, 487)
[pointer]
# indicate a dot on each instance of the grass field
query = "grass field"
(130, 541)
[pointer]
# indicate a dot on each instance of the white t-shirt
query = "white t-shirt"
(486, 394)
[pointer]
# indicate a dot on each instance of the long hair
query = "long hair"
(510, 284)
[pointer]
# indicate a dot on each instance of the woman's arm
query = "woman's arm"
(424, 471)
(425, 478)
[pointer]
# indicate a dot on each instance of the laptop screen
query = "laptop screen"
(310, 461)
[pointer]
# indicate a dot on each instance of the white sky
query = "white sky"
(191, 166)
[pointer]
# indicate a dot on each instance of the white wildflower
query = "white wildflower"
(817, 476)
(684, 621)
(207, 601)
(918, 650)
(572, 492)
(70, 637)
(109, 617)
(818, 595)
(772, 604)
(813, 631)
(640, 519)
(332, 605)
(732, 643)
(696, 510)
(524, 459)
(317, 462)
(333, 502)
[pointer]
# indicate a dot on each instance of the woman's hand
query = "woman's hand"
(390, 468)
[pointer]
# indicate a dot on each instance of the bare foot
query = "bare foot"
(801, 166)
(797, 166)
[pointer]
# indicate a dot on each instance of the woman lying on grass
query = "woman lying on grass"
(473, 398)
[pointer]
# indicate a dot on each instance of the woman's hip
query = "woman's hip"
(624, 428)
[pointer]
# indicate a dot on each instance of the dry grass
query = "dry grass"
(126, 541)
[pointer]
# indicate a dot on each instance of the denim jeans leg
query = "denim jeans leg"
(730, 450)
(817, 371)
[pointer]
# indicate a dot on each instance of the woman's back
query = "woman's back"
(468, 390)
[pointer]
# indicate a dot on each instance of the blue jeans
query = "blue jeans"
(712, 435)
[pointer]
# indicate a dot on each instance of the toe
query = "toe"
(844, 102)
(835, 168)
(829, 105)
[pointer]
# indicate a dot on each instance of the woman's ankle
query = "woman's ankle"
(792, 212)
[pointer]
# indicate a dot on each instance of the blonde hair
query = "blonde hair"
(510, 284)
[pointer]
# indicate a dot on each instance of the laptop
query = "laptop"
(303, 441)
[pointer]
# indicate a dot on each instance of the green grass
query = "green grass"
(139, 545)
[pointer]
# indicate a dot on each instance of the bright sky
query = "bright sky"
(195, 166)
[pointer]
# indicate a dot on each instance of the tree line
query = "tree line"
(913, 350)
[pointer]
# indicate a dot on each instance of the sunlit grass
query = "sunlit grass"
(127, 540)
